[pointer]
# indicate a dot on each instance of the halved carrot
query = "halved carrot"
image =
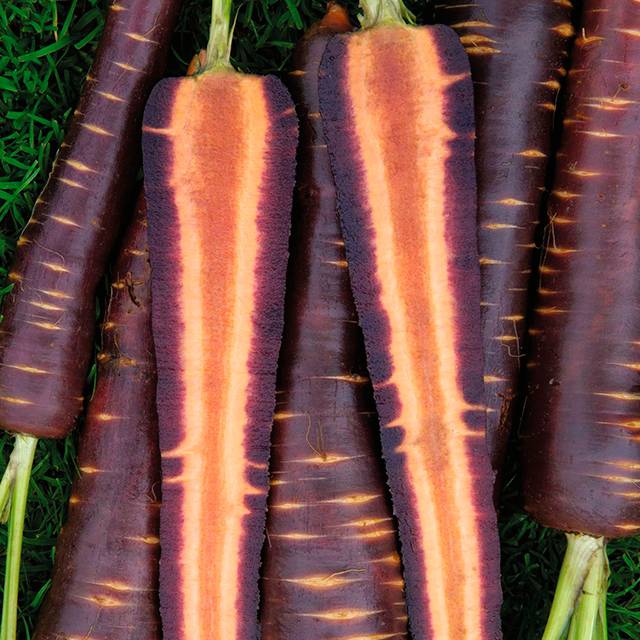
(331, 559)
(518, 57)
(580, 445)
(47, 330)
(397, 108)
(219, 158)
(105, 580)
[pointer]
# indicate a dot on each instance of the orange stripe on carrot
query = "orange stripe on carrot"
(217, 183)
(404, 166)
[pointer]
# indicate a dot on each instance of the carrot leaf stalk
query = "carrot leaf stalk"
(14, 489)
(375, 12)
(220, 36)
(589, 621)
(6, 485)
(579, 600)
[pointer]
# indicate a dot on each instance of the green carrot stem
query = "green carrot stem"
(220, 36)
(589, 621)
(16, 490)
(581, 553)
(6, 484)
(376, 12)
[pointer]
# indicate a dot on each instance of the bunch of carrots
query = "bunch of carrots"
(330, 301)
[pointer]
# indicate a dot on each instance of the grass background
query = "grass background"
(46, 47)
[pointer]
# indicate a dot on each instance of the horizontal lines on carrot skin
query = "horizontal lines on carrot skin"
(582, 394)
(214, 183)
(412, 227)
(331, 539)
(325, 443)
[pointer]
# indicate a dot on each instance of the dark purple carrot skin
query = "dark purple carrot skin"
(105, 581)
(581, 449)
(49, 317)
(325, 411)
(518, 54)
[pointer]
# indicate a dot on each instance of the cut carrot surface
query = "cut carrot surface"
(219, 160)
(406, 191)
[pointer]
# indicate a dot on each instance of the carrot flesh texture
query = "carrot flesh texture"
(49, 316)
(581, 451)
(105, 581)
(518, 55)
(397, 109)
(219, 156)
(331, 562)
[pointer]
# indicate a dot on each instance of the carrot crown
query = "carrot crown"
(375, 12)
(220, 36)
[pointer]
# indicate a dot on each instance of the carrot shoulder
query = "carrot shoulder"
(105, 580)
(397, 107)
(331, 564)
(219, 158)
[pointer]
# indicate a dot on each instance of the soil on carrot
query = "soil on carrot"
(46, 47)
